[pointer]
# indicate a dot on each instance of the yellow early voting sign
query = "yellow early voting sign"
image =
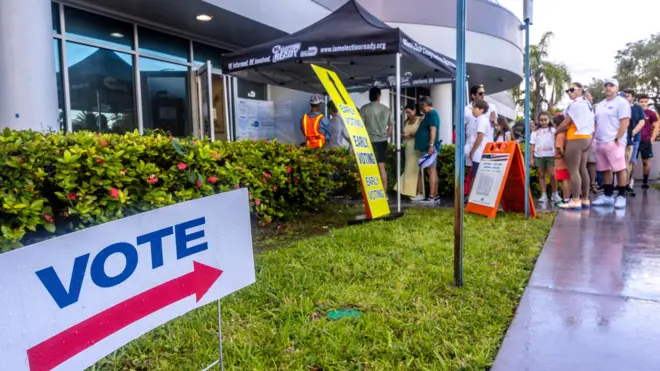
(374, 196)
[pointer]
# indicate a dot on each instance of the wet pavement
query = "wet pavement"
(593, 301)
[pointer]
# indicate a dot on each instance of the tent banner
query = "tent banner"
(419, 48)
(305, 50)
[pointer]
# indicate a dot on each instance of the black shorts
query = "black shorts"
(380, 151)
(646, 150)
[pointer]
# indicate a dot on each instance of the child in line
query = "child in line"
(502, 131)
(542, 143)
(483, 131)
(560, 163)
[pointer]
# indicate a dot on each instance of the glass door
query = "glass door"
(205, 101)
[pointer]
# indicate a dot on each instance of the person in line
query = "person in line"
(542, 145)
(579, 127)
(315, 127)
(476, 92)
(379, 121)
(427, 141)
(412, 182)
(596, 177)
(649, 133)
(483, 134)
(338, 131)
(634, 136)
(502, 131)
(612, 120)
(561, 169)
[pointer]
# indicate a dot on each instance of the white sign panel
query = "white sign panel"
(70, 301)
(255, 119)
(489, 179)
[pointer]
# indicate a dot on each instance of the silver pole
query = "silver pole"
(325, 106)
(398, 132)
(226, 108)
(209, 81)
(137, 80)
(98, 107)
(222, 364)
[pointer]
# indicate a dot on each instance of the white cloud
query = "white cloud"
(588, 33)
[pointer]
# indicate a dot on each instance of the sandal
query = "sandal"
(594, 188)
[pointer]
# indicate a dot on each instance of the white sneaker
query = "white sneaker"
(555, 197)
(603, 200)
(620, 202)
(544, 198)
(434, 200)
(417, 198)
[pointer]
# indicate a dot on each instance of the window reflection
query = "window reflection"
(203, 53)
(58, 77)
(99, 29)
(101, 89)
(55, 10)
(165, 91)
(163, 45)
(250, 89)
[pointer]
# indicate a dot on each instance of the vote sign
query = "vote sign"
(72, 300)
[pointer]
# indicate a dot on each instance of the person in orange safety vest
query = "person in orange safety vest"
(315, 127)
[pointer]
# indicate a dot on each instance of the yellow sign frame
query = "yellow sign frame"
(375, 197)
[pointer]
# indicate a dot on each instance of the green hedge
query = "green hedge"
(57, 183)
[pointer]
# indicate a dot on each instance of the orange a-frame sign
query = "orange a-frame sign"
(500, 179)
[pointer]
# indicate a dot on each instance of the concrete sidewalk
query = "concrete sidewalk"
(593, 301)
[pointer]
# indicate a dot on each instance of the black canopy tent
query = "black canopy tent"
(360, 48)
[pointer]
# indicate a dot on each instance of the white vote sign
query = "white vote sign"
(67, 302)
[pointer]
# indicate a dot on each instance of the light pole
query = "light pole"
(527, 15)
(459, 123)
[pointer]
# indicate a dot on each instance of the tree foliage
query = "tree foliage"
(595, 87)
(638, 67)
(548, 78)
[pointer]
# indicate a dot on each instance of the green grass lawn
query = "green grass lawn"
(399, 274)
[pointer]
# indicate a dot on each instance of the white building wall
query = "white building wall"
(28, 89)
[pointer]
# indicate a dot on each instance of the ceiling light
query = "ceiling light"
(117, 34)
(204, 17)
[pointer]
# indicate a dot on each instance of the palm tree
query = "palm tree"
(548, 78)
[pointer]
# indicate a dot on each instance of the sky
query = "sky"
(588, 33)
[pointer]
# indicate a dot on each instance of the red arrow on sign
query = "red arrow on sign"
(61, 347)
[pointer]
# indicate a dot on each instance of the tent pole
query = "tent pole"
(325, 107)
(398, 132)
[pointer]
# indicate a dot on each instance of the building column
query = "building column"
(442, 101)
(28, 88)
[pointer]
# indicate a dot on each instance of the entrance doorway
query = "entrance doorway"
(212, 104)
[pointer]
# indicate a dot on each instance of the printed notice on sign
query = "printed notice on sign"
(70, 301)
(375, 197)
(488, 182)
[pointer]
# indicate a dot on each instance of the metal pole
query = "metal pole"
(398, 132)
(209, 90)
(225, 96)
(459, 122)
(527, 113)
(222, 364)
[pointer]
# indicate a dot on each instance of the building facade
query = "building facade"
(123, 65)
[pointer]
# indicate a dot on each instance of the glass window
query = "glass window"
(55, 9)
(101, 89)
(163, 45)
(203, 53)
(99, 29)
(165, 91)
(251, 90)
(58, 77)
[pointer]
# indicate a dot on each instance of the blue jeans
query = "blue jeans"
(599, 178)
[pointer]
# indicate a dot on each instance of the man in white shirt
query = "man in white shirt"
(612, 120)
(477, 92)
